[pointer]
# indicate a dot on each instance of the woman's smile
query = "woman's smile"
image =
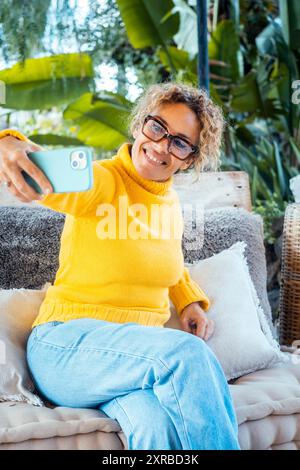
(151, 160)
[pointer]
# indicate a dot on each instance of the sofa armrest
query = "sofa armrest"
(289, 303)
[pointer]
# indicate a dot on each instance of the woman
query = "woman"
(98, 340)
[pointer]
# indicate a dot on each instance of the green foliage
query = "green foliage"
(101, 119)
(270, 210)
(143, 22)
(186, 36)
(53, 139)
(45, 82)
(23, 24)
(224, 45)
(290, 16)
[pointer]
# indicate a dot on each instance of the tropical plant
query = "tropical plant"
(254, 59)
(45, 82)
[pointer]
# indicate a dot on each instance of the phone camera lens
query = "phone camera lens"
(81, 155)
(74, 164)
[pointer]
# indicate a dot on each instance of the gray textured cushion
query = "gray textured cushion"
(29, 246)
(30, 239)
(222, 228)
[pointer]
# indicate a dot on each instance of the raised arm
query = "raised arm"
(14, 159)
(187, 291)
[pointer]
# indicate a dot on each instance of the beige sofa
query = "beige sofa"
(267, 402)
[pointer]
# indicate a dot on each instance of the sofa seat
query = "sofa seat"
(267, 403)
(25, 426)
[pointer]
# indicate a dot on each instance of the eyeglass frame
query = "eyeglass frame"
(170, 137)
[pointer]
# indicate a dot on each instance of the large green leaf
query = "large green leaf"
(256, 93)
(245, 96)
(280, 172)
(48, 81)
(53, 139)
(187, 68)
(180, 59)
(143, 21)
(271, 42)
(290, 17)
(254, 184)
(235, 12)
(186, 37)
(295, 148)
(102, 119)
(224, 46)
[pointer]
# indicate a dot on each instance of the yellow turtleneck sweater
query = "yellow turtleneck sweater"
(116, 263)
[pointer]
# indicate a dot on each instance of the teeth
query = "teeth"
(154, 159)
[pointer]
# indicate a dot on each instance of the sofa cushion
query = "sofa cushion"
(275, 432)
(267, 404)
(242, 340)
(18, 310)
(97, 440)
(271, 391)
(221, 229)
(22, 421)
(29, 246)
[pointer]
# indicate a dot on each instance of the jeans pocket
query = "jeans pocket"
(40, 330)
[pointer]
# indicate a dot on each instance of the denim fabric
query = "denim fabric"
(164, 386)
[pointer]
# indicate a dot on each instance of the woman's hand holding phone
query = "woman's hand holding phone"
(14, 160)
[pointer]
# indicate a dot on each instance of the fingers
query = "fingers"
(34, 171)
(185, 326)
(14, 174)
(194, 320)
(209, 329)
(201, 326)
(35, 147)
(205, 329)
(12, 188)
(14, 160)
(195, 326)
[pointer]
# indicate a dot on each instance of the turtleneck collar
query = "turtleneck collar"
(155, 187)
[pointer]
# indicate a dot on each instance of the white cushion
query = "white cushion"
(18, 310)
(242, 340)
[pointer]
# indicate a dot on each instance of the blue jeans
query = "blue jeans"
(164, 386)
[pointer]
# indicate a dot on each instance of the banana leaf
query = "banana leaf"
(46, 82)
(143, 22)
(102, 119)
(53, 139)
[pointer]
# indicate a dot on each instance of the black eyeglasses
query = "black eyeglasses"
(177, 146)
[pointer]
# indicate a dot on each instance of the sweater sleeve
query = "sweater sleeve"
(187, 291)
(14, 133)
(80, 203)
(83, 203)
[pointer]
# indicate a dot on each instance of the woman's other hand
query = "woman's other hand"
(194, 320)
(14, 159)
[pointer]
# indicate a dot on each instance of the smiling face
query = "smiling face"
(152, 159)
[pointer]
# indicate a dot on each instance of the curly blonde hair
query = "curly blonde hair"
(209, 115)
